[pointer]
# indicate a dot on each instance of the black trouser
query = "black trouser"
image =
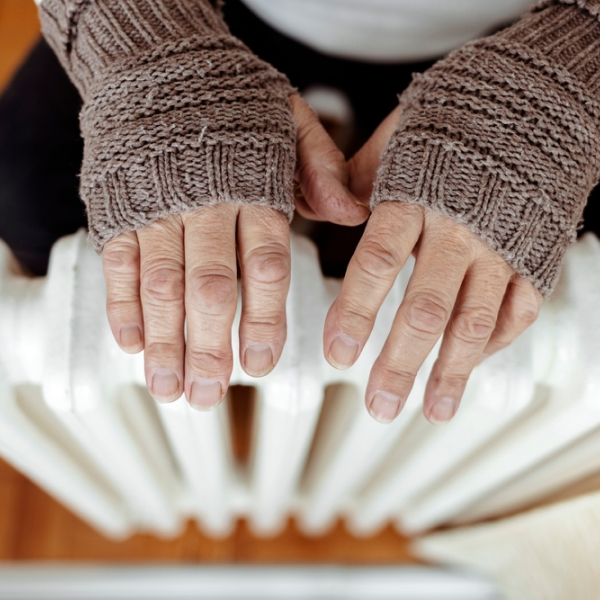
(41, 148)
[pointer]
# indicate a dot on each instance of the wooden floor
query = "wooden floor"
(35, 527)
(19, 29)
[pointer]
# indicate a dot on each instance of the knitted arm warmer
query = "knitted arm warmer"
(177, 112)
(504, 136)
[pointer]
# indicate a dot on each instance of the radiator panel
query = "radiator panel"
(130, 465)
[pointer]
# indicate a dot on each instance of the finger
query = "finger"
(431, 293)
(302, 206)
(519, 310)
(162, 292)
(364, 164)
(121, 265)
(322, 170)
(264, 255)
(391, 234)
(210, 302)
(471, 325)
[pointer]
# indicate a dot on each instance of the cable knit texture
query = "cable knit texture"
(504, 136)
(177, 112)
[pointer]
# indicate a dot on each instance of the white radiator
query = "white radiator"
(75, 417)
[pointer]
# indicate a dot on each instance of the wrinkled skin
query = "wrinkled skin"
(185, 266)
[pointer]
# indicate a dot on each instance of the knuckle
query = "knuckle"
(396, 376)
(475, 325)
(163, 283)
(268, 265)
(456, 245)
(452, 376)
(455, 231)
(119, 310)
(210, 361)
(501, 267)
(426, 314)
(452, 239)
(274, 322)
(165, 353)
(213, 290)
(527, 315)
(526, 311)
(121, 260)
(412, 212)
(377, 258)
(353, 318)
(526, 305)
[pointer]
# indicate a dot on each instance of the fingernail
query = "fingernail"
(258, 359)
(131, 337)
(205, 393)
(342, 352)
(385, 407)
(442, 411)
(164, 384)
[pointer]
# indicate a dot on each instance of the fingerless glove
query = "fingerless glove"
(504, 136)
(177, 113)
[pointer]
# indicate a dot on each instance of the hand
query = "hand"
(184, 266)
(460, 289)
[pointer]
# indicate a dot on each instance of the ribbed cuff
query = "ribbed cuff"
(504, 137)
(182, 179)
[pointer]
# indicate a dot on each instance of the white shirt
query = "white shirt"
(387, 30)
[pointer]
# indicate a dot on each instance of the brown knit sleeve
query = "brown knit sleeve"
(504, 136)
(177, 112)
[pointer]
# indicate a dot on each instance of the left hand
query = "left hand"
(460, 288)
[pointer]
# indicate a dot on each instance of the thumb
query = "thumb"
(364, 164)
(322, 172)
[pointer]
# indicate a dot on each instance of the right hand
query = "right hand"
(460, 290)
(184, 267)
